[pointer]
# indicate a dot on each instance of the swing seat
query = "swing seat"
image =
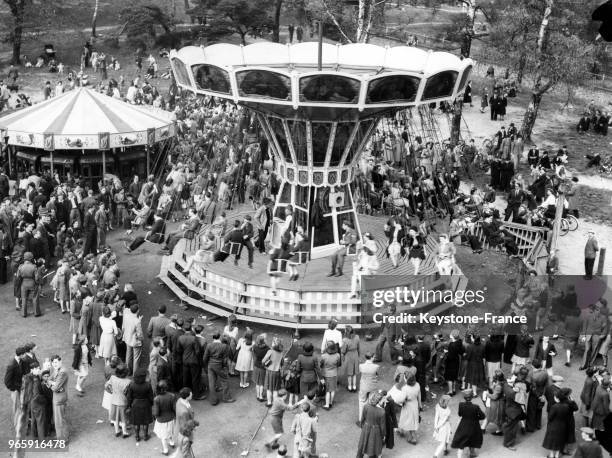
(277, 267)
(303, 258)
(351, 250)
(232, 248)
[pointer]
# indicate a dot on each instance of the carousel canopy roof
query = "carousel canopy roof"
(285, 80)
(86, 119)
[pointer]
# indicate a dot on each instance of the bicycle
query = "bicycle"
(569, 223)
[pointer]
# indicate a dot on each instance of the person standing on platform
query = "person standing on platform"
(590, 253)
(263, 218)
(247, 235)
(348, 241)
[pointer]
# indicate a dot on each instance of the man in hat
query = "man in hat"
(27, 275)
(594, 329)
(590, 253)
(590, 447)
(247, 235)
(348, 242)
(188, 230)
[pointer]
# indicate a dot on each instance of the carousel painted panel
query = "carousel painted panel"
(164, 133)
(76, 141)
(128, 139)
(26, 139)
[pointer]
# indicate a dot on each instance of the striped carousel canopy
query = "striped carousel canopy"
(85, 119)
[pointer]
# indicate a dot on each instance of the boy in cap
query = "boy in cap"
(590, 448)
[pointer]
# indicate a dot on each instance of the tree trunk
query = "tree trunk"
(242, 37)
(521, 68)
(187, 7)
(18, 12)
(278, 4)
(94, 18)
(364, 21)
(531, 114)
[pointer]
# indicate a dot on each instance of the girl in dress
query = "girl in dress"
(140, 403)
(395, 233)
(108, 348)
(442, 426)
(350, 355)
(119, 383)
(109, 370)
(164, 411)
(231, 331)
(416, 247)
(244, 362)
(272, 362)
(260, 350)
(81, 363)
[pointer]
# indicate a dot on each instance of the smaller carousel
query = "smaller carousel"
(86, 133)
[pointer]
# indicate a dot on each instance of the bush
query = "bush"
(111, 43)
(172, 40)
(137, 42)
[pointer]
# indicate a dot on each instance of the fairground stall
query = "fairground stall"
(318, 105)
(86, 133)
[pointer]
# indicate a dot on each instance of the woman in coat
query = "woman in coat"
(140, 403)
(601, 404)
(561, 425)
(350, 357)
(494, 401)
(409, 417)
(475, 370)
(372, 438)
(307, 368)
(453, 361)
(468, 433)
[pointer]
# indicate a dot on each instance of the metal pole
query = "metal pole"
(320, 45)
(103, 165)
(148, 161)
(51, 162)
(602, 261)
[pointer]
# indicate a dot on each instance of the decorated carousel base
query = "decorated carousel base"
(222, 288)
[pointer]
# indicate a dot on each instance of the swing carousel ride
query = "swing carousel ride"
(318, 116)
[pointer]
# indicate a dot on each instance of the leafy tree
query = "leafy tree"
(29, 17)
(143, 19)
(244, 17)
(551, 40)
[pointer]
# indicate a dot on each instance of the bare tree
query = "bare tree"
(94, 18)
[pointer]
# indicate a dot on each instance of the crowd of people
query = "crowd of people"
(512, 370)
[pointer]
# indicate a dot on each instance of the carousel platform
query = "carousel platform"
(223, 288)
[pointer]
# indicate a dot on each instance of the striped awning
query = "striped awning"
(86, 119)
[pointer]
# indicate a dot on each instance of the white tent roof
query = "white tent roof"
(77, 118)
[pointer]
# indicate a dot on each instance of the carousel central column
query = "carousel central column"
(315, 161)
